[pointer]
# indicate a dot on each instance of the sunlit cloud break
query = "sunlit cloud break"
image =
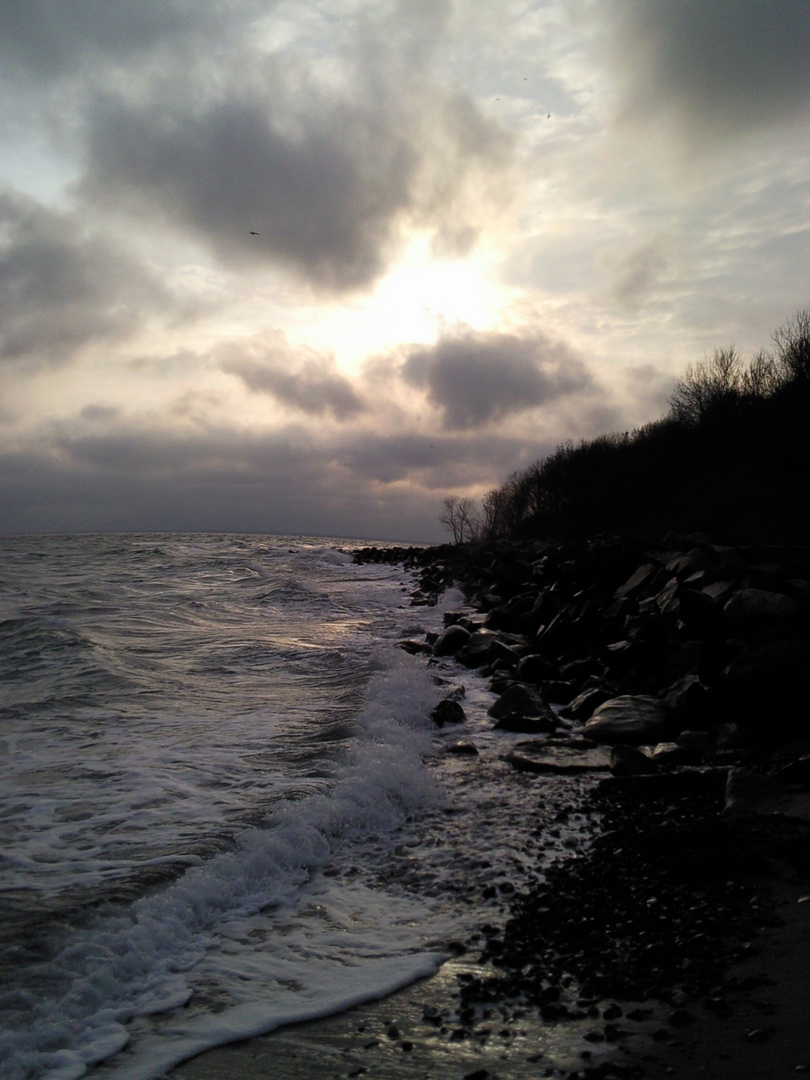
(312, 268)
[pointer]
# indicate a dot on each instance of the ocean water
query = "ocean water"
(223, 805)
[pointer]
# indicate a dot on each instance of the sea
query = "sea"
(224, 806)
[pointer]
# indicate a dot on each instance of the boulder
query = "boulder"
(689, 562)
(749, 793)
(552, 756)
(630, 761)
(535, 668)
(754, 609)
(487, 646)
(790, 764)
(585, 703)
(689, 700)
(641, 580)
(559, 691)
(633, 719)
(672, 753)
(414, 646)
(764, 690)
(448, 711)
(463, 748)
(699, 612)
(451, 640)
(520, 708)
(696, 741)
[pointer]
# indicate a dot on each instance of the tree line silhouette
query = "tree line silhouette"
(729, 459)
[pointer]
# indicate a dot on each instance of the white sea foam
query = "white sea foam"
(214, 753)
(246, 939)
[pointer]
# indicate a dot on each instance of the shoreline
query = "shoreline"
(588, 986)
(752, 1023)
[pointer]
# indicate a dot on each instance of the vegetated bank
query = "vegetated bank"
(731, 459)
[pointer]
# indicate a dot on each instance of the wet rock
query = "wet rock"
(640, 579)
(521, 708)
(415, 647)
(585, 704)
(571, 756)
(486, 646)
(699, 742)
(558, 691)
(754, 608)
(629, 720)
(689, 562)
(630, 761)
(750, 793)
(448, 711)
(688, 699)
(451, 640)
(761, 688)
(791, 764)
(535, 669)
(699, 612)
(671, 753)
(463, 748)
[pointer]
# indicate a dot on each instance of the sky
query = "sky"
(310, 266)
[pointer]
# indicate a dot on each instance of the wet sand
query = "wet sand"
(757, 1027)
(767, 1034)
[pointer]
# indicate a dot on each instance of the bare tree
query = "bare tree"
(711, 385)
(460, 517)
(792, 342)
(762, 377)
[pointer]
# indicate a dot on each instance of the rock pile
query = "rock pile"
(686, 643)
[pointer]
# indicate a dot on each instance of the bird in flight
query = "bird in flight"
(254, 233)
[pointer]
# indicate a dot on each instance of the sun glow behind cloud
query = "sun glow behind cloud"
(479, 233)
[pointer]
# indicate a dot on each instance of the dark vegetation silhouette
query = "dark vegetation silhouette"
(730, 459)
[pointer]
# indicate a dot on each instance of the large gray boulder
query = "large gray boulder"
(630, 720)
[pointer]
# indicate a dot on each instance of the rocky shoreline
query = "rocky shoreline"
(675, 672)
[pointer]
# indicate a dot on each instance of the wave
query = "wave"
(235, 929)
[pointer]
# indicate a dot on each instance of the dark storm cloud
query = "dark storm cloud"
(61, 288)
(438, 461)
(265, 158)
(302, 379)
(476, 377)
(144, 476)
(322, 191)
(718, 67)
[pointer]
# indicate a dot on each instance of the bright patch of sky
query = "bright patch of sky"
(386, 250)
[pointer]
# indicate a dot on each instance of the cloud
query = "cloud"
(267, 160)
(147, 474)
(634, 274)
(435, 461)
(62, 288)
(100, 413)
(476, 377)
(714, 67)
(301, 378)
(49, 39)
